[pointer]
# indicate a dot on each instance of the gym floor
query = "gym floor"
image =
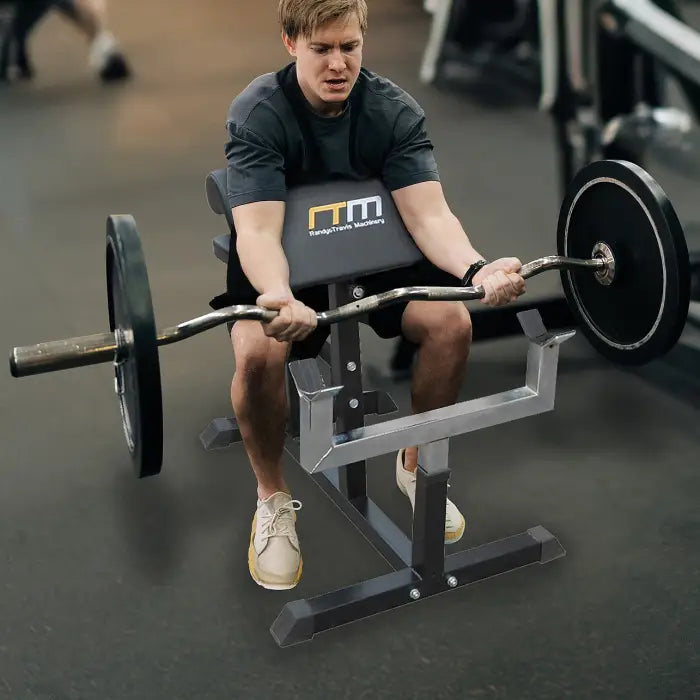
(119, 588)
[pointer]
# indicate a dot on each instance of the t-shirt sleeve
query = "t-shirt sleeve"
(411, 159)
(255, 167)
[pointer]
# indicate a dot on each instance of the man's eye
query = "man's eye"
(320, 51)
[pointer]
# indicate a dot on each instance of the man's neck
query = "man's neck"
(330, 110)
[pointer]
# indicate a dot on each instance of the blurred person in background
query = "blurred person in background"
(105, 58)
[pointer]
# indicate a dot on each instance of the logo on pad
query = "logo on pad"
(343, 216)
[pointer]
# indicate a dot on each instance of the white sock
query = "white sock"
(102, 47)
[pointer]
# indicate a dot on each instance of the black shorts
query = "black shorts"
(385, 322)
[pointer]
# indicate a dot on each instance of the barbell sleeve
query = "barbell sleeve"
(63, 354)
(94, 349)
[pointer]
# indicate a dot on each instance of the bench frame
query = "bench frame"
(326, 435)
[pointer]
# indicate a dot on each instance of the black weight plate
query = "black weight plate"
(640, 316)
(137, 368)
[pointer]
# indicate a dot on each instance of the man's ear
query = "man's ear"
(289, 44)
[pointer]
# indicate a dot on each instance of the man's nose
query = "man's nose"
(336, 60)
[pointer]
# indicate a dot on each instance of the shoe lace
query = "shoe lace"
(281, 522)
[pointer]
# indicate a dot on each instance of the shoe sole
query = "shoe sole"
(450, 537)
(115, 69)
(254, 574)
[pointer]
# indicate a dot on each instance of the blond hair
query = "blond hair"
(302, 17)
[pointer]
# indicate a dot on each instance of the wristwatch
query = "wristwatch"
(471, 271)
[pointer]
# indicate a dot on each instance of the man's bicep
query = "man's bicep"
(257, 218)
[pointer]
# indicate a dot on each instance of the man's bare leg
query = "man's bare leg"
(443, 332)
(87, 15)
(259, 401)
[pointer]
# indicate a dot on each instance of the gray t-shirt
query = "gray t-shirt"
(275, 141)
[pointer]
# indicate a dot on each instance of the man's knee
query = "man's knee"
(454, 324)
(257, 357)
(446, 322)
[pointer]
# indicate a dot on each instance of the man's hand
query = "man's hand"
(500, 281)
(294, 322)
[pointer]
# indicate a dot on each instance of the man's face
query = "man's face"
(328, 63)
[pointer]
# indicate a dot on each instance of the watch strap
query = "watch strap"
(471, 271)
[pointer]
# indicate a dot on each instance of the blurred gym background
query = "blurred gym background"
(113, 588)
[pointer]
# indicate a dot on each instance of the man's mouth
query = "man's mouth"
(336, 83)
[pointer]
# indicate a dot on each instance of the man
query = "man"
(324, 116)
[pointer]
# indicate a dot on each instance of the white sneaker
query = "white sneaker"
(274, 555)
(106, 58)
(454, 520)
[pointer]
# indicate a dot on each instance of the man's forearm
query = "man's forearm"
(264, 263)
(444, 242)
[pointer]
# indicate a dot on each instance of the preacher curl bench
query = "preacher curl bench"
(335, 233)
